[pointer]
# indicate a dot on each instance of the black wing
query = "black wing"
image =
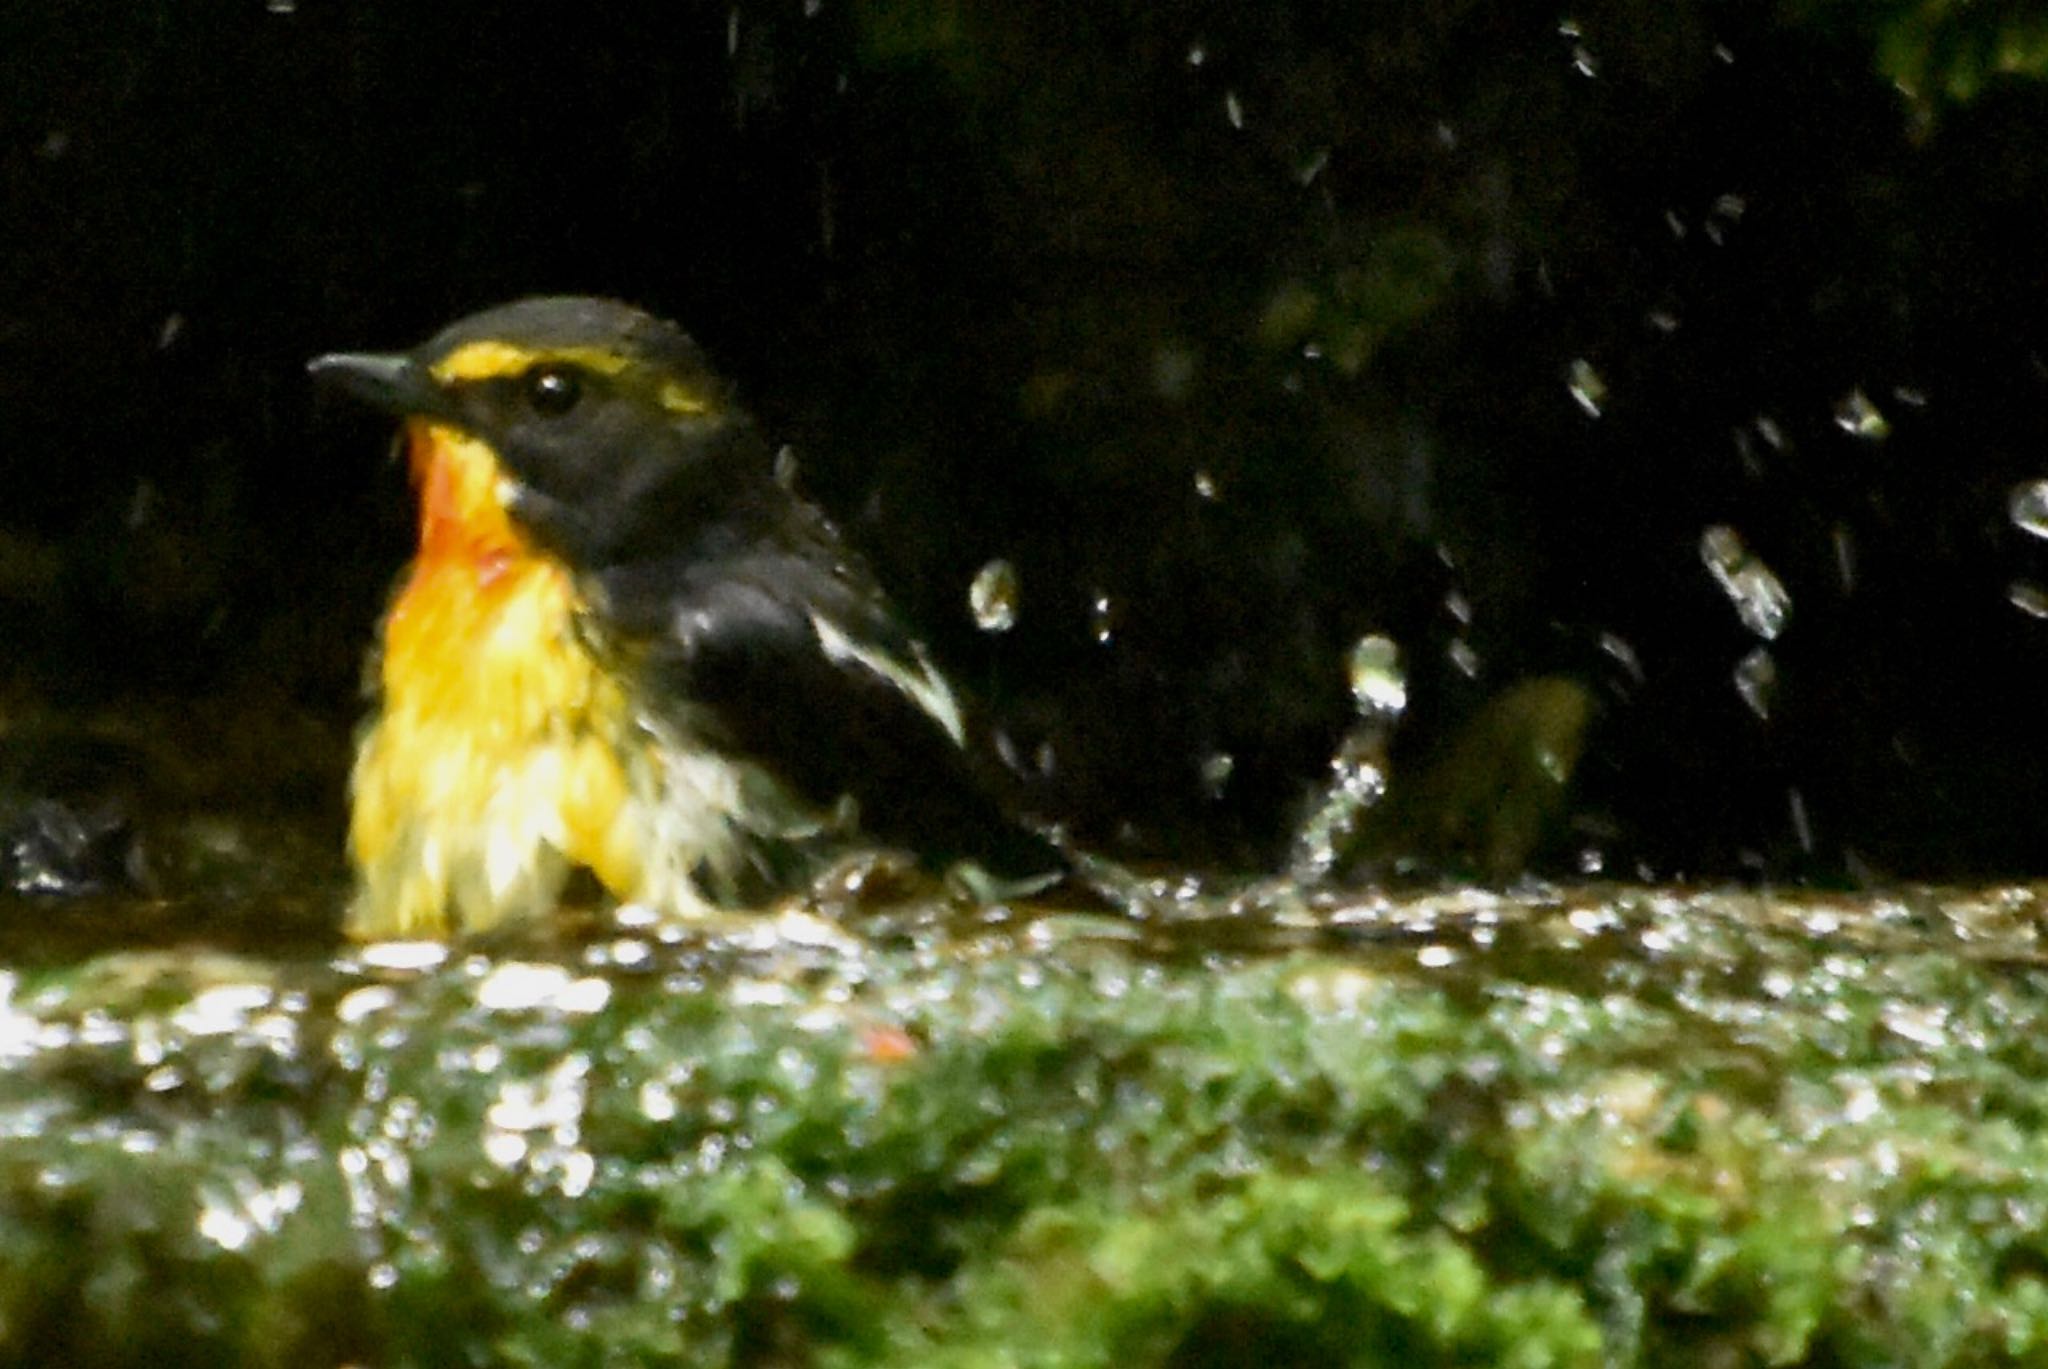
(799, 664)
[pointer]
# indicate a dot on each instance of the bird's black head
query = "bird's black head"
(608, 424)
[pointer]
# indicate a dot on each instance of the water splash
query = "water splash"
(1760, 598)
(1357, 780)
(994, 596)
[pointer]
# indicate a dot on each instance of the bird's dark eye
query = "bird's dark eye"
(553, 390)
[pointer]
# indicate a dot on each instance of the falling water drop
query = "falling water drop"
(2027, 506)
(1756, 680)
(1587, 387)
(1727, 211)
(1802, 822)
(1617, 649)
(1844, 540)
(2028, 598)
(1102, 618)
(1760, 599)
(1379, 689)
(1205, 487)
(1217, 768)
(1858, 417)
(992, 597)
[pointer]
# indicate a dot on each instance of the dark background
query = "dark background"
(1254, 322)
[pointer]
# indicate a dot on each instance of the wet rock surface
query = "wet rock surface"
(1570, 1126)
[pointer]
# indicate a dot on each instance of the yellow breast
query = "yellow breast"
(496, 763)
(501, 757)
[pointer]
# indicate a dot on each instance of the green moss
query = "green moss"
(1608, 1128)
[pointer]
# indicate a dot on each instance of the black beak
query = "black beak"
(396, 384)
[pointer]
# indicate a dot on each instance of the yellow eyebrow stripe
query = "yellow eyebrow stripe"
(493, 358)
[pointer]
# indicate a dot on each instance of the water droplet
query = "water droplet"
(1858, 417)
(1587, 387)
(993, 597)
(1727, 212)
(1760, 599)
(1312, 166)
(173, 327)
(1379, 689)
(1802, 824)
(1767, 428)
(2027, 506)
(1217, 767)
(1584, 62)
(1197, 54)
(1103, 615)
(1617, 649)
(2028, 598)
(1463, 657)
(1233, 109)
(281, 6)
(1756, 680)
(1724, 53)
(1663, 321)
(1205, 486)
(1674, 223)
(1459, 607)
(1845, 556)
(786, 467)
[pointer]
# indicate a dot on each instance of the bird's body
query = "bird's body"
(624, 648)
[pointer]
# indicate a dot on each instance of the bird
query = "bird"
(626, 648)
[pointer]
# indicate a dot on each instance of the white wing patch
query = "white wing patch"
(915, 677)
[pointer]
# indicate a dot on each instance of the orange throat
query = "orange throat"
(462, 507)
